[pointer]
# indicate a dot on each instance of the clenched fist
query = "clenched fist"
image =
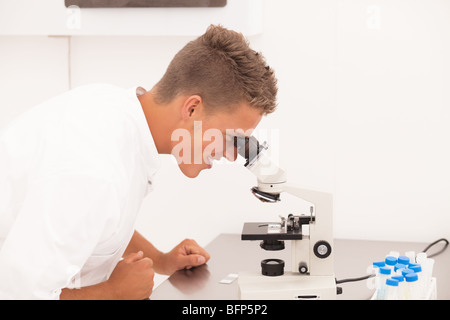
(132, 278)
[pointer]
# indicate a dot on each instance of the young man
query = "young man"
(75, 169)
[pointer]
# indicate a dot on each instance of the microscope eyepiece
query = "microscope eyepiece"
(248, 147)
(270, 176)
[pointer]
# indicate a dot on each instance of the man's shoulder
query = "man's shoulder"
(103, 105)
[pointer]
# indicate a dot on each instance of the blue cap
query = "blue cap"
(413, 265)
(399, 278)
(392, 282)
(403, 260)
(411, 277)
(399, 266)
(406, 271)
(416, 268)
(390, 261)
(378, 264)
(384, 270)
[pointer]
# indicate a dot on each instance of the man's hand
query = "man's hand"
(132, 278)
(186, 255)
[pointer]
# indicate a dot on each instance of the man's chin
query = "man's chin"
(192, 171)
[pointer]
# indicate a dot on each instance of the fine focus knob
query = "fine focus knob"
(302, 268)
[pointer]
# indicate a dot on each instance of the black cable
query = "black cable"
(424, 250)
(433, 244)
(355, 279)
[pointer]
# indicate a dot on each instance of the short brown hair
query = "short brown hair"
(220, 67)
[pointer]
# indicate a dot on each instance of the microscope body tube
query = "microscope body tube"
(269, 176)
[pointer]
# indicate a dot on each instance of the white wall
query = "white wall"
(364, 113)
(31, 17)
(32, 69)
(393, 119)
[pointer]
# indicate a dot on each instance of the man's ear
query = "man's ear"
(192, 106)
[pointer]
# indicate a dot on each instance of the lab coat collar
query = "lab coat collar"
(151, 156)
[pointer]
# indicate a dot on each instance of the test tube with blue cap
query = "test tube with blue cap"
(374, 269)
(390, 262)
(413, 290)
(379, 264)
(403, 260)
(406, 271)
(401, 287)
(391, 289)
(383, 275)
(417, 268)
(398, 268)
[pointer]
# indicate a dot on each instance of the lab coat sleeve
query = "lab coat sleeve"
(61, 221)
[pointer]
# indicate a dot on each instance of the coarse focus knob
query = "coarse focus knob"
(322, 249)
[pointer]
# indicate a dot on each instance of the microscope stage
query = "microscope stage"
(268, 231)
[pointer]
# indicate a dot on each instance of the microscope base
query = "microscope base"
(290, 286)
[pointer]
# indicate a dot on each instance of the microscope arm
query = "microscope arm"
(321, 201)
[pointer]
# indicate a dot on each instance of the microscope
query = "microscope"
(311, 236)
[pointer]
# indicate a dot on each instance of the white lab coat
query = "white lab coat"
(73, 173)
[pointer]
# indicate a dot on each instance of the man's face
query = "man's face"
(209, 137)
